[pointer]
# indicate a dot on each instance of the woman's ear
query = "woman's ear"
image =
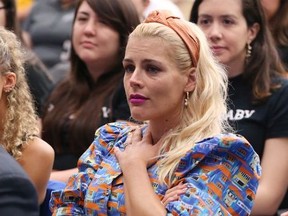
(253, 32)
(191, 80)
(9, 79)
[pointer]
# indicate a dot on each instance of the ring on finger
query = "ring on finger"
(126, 144)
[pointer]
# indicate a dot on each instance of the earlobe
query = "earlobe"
(9, 81)
(191, 81)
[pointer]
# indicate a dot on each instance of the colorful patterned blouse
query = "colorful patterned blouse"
(222, 174)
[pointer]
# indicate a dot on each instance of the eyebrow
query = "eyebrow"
(83, 13)
(144, 61)
(222, 16)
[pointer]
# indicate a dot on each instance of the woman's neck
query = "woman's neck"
(234, 68)
(160, 128)
(98, 69)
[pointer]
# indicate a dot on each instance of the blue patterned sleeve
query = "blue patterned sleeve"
(70, 201)
(222, 174)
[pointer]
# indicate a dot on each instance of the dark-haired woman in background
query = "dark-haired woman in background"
(239, 37)
(277, 14)
(91, 95)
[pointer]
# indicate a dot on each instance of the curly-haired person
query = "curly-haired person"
(19, 127)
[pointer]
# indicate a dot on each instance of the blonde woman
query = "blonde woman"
(19, 127)
(172, 82)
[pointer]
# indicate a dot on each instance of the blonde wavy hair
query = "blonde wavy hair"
(19, 122)
(205, 114)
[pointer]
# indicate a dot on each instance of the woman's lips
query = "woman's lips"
(217, 50)
(137, 99)
(87, 44)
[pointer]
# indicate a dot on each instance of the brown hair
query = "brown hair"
(79, 94)
(264, 65)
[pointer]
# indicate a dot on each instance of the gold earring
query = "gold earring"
(249, 50)
(186, 100)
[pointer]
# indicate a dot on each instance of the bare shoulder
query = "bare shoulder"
(38, 148)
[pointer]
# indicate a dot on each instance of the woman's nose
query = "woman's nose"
(90, 28)
(135, 78)
(214, 32)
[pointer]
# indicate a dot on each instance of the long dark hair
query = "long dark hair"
(79, 94)
(264, 64)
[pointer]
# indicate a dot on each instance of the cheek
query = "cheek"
(112, 42)
(168, 93)
(75, 40)
(126, 83)
(236, 40)
(2, 19)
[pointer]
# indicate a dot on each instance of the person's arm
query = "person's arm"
(273, 183)
(37, 160)
(63, 175)
(274, 162)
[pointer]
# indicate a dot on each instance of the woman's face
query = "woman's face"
(154, 85)
(270, 7)
(2, 14)
(94, 42)
(226, 30)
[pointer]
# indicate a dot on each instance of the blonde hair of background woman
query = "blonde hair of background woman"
(205, 115)
(20, 121)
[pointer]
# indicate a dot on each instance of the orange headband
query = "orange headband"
(175, 23)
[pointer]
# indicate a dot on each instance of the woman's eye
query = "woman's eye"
(81, 18)
(152, 69)
(129, 68)
(228, 22)
(203, 22)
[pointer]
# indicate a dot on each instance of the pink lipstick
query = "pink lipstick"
(137, 99)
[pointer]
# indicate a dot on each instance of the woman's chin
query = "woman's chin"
(138, 117)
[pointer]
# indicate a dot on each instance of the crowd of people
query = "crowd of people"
(138, 109)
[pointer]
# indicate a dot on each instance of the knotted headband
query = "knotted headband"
(184, 32)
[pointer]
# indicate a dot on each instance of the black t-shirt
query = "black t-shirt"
(258, 122)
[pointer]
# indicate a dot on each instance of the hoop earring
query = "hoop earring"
(186, 100)
(249, 51)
